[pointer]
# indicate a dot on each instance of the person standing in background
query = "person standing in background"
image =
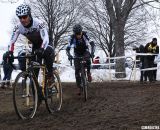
(96, 61)
(7, 69)
(153, 48)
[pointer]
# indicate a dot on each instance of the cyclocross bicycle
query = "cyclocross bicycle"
(28, 90)
(83, 76)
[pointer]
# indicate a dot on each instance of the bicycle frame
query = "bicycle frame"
(31, 66)
(83, 75)
(31, 70)
(82, 63)
(32, 92)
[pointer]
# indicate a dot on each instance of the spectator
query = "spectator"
(96, 61)
(143, 62)
(153, 48)
(7, 68)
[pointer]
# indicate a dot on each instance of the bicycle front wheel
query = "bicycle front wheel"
(53, 100)
(25, 96)
(84, 86)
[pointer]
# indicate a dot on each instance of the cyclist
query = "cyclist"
(35, 31)
(80, 42)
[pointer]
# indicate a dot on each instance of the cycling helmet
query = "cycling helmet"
(23, 10)
(77, 29)
(154, 39)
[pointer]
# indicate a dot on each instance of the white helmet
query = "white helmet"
(23, 10)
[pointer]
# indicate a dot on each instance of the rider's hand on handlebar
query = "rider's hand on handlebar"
(10, 56)
(39, 52)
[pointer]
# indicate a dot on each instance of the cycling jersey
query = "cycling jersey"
(80, 45)
(37, 34)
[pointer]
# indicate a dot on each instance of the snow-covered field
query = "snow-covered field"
(99, 75)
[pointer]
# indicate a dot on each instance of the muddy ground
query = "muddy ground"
(111, 106)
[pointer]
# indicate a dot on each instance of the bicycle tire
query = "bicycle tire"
(25, 96)
(53, 99)
(84, 85)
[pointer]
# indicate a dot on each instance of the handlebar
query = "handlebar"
(81, 58)
(73, 58)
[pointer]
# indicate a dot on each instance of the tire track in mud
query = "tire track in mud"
(110, 106)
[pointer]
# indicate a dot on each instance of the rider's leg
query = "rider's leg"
(88, 61)
(36, 59)
(88, 65)
(49, 59)
(36, 71)
(77, 72)
(77, 76)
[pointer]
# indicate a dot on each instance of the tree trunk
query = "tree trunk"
(120, 51)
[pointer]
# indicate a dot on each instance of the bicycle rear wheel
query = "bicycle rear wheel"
(54, 95)
(25, 96)
(84, 86)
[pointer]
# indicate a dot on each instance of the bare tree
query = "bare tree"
(136, 29)
(97, 22)
(59, 15)
(119, 11)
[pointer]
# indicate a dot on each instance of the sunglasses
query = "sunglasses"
(23, 17)
(79, 33)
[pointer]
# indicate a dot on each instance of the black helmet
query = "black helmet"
(77, 29)
(154, 39)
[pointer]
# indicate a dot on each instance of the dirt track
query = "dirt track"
(111, 106)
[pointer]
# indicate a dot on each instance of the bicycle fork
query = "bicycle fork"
(43, 82)
(25, 91)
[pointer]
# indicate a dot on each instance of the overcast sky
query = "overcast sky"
(7, 12)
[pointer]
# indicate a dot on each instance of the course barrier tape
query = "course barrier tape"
(106, 64)
(146, 54)
(153, 68)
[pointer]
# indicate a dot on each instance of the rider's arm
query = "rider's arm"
(90, 42)
(44, 35)
(92, 47)
(14, 37)
(69, 46)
